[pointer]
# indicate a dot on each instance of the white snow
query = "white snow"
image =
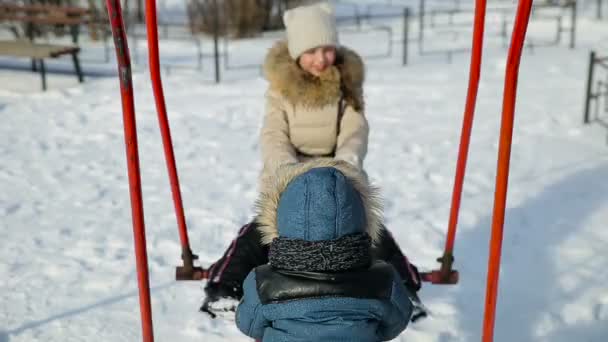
(66, 240)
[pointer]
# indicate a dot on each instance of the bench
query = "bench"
(33, 17)
(39, 52)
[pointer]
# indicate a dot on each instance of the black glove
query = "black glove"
(415, 282)
(419, 311)
(220, 300)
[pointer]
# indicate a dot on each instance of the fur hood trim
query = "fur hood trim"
(301, 88)
(268, 202)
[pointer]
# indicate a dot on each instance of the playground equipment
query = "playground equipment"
(445, 275)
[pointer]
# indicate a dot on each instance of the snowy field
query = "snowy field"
(67, 270)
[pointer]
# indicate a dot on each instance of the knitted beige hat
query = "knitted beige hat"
(309, 27)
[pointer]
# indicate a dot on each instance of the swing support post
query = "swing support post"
(446, 275)
(130, 131)
(504, 155)
(187, 271)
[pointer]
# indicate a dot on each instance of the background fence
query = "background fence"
(398, 31)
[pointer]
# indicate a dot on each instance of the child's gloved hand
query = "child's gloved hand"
(419, 311)
(220, 302)
(220, 308)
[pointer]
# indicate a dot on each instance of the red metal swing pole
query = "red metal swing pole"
(188, 271)
(504, 155)
(137, 210)
(445, 275)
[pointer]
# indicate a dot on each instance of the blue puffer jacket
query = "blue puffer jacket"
(322, 203)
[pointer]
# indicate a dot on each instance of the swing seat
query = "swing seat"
(191, 273)
(440, 278)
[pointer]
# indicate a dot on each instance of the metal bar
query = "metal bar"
(502, 173)
(130, 131)
(467, 125)
(77, 67)
(421, 26)
(406, 25)
(199, 54)
(42, 73)
(445, 275)
(573, 24)
(589, 87)
(605, 94)
(163, 121)
(558, 36)
(216, 53)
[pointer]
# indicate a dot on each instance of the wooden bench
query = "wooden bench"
(38, 52)
(32, 17)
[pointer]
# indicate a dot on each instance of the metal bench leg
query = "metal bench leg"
(42, 73)
(77, 67)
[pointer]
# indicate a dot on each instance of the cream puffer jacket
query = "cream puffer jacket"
(310, 117)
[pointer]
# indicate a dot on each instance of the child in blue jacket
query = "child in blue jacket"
(321, 283)
(314, 110)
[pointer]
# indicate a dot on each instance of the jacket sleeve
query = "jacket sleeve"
(388, 250)
(245, 253)
(352, 139)
(249, 317)
(398, 313)
(274, 137)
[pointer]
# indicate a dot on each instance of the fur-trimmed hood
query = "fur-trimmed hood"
(301, 88)
(268, 203)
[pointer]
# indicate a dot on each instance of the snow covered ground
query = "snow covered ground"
(66, 242)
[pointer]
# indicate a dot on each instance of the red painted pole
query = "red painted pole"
(446, 275)
(504, 156)
(187, 271)
(137, 210)
(467, 124)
